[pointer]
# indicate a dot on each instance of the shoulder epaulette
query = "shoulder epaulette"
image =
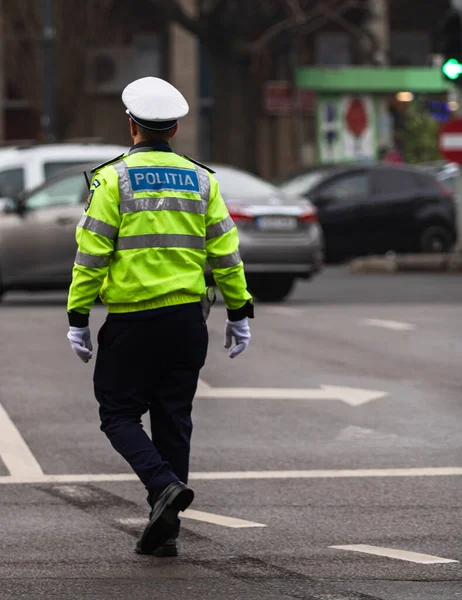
(109, 162)
(199, 164)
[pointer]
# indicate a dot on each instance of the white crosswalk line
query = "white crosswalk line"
(414, 557)
(244, 475)
(394, 325)
(204, 517)
(14, 451)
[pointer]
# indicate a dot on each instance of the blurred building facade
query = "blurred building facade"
(254, 119)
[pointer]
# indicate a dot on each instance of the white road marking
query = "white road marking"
(14, 451)
(394, 325)
(247, 475)
(205, 517)
(415, 557)
(351, 396)
(232, 522)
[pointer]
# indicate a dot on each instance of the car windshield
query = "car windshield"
(53, 168)
(302, 184)
(242, 186)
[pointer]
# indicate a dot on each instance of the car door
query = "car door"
(38, 246)
(340, 201)
(389, 215)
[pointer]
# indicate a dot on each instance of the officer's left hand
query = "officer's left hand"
(240, 331)
(80, 340)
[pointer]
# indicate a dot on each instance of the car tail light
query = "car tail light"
(309, 215)
(239, 213)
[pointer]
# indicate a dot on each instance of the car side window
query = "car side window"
(393, 181)
(345, 188)
(66, 191)
(11, 182)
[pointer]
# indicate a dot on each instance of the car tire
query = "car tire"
(436, 239)
(270, 288)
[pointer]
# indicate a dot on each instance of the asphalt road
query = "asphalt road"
(367, 451)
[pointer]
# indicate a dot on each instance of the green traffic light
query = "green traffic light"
(452, 68)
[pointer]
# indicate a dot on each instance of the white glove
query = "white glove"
(239, 330)
(80, 340)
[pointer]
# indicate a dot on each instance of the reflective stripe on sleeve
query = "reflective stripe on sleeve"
(180, 204)
(92, 261)
(157, 240)
(125, 186)
(204, 184)
(99, 227)
(220, 228)
(223, 262)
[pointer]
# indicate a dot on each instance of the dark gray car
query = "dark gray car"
(281, 239)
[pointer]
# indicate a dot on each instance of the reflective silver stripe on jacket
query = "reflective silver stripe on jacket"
(158, 240)
(92, 261)
(183, 204)
(125, 185)
(220, 228)
(99, 227)
(223, 262)
(204, 183)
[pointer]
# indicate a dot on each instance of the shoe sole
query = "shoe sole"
(159, 531)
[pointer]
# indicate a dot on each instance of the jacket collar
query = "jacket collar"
(152, 146)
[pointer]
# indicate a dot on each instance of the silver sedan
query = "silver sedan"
(281, 239)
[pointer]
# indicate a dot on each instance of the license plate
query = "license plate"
(277, 223)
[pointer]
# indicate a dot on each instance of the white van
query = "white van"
(25, 167)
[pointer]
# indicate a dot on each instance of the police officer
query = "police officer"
(151, 221)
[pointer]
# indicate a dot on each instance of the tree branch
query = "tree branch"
(175, 12)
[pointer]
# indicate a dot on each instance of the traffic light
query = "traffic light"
(451, 46)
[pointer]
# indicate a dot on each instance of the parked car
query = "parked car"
(281, 239)
(375, 208)
(26, 167)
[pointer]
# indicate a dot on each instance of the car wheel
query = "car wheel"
(270, 288)
(436, 239)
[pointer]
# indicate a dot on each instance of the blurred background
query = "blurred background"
(333, 125)
(274, 85)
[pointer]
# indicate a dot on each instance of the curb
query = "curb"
(408, 263)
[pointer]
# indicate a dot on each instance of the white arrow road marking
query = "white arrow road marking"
(415, 557)
(394, 325)
(245, 475)
(205, 517)
(351, 396)
(14, 451)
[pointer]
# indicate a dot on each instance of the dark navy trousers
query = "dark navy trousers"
(150, 362)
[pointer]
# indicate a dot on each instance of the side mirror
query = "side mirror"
(15, 205)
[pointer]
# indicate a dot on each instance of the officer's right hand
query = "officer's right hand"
(240, 331)
(80, 340)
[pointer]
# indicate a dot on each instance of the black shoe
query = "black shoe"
(163, 519)
(167, 550)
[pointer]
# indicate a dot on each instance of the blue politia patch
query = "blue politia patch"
(156, 179)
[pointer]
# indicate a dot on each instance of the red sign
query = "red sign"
(280, 98)
(450, 140)
(356, 117)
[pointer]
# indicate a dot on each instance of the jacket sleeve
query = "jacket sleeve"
(222, 245)
(96, 234)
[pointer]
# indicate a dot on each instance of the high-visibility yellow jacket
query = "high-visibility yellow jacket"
(151, 222)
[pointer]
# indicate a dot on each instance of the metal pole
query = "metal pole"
(48, 118)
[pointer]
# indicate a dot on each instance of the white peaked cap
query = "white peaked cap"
(154, 103)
